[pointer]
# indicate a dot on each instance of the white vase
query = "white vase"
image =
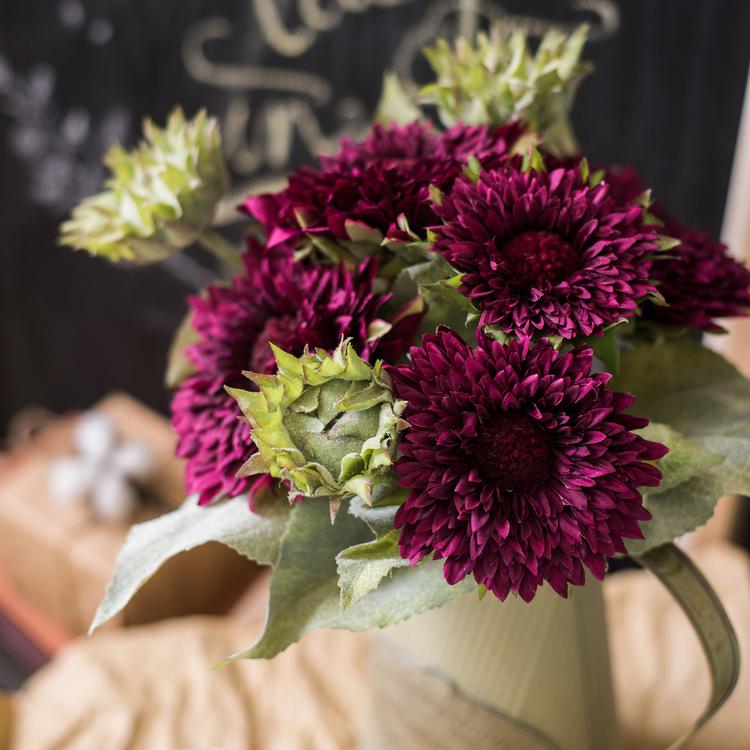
(487, 674)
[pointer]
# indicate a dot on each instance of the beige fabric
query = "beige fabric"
(150, 688)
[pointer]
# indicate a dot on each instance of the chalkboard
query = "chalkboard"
(289, 78)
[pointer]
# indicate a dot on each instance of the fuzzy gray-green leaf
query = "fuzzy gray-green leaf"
(304, 587)
(379, 516)
(606, 348)
(362, 567)
(705, 404)
(149, 545)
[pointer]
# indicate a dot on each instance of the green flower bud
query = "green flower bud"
(325, 423)
(497, 79)
(160, 196)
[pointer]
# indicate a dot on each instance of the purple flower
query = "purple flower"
(393, 145)
(542, 253)
(522, 466)
(699, 282)
(490, 145)
(378, 180)
(698, 279)
(279, 301)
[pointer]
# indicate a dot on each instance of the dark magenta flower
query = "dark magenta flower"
(698, 279)
(522, 466)
(392, 145)
(376, 181)
(490, 145)
(542, 253)
(291, 305)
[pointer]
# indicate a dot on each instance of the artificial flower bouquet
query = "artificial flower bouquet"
(451, 359)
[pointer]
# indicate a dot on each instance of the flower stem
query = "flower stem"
(220, 248)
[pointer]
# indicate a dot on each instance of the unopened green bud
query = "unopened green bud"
(160, 196)
(325, 423)
(496, 79)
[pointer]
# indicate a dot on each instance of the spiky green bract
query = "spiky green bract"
(160, 196)
(497, 79)
(324, 423)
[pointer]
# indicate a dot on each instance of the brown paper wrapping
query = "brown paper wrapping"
(60, 559)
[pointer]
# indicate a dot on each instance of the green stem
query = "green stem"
(220, 248)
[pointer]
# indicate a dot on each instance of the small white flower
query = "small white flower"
(103, 471)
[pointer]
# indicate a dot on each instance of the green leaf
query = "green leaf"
(436, 195)
(596, 177)
(686, 506)
(687, 386)
(446, 290)
(330, 250)
(179, 366)
(657, 298)
(358, 231)
(532, 159)
(395, 104)
(705, 404)
(684, 461)
(415, 253)
(606, 348)
(497, 333)
(447, 306)
(379, 516)
(585, 169)
(304, 587)
(666, 242)
(473, 168)
(362, 567)
(454, 282)
(403, 224)
(149, 545)
(685, 499)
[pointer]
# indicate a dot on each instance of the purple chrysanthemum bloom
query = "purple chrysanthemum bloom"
(279, 301)
(698, 279)
(376, 181)
(404, 145)
(543, 253)
(490, 145)
(391, 145)
(522, 466)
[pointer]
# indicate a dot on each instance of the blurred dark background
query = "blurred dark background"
(289, 78)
